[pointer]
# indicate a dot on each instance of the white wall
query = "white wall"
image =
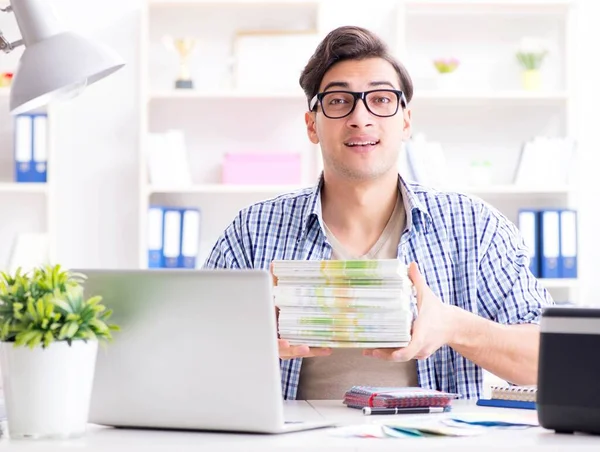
(588, 111)
(97, 139)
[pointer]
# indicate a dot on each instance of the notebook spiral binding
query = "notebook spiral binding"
(520, 393)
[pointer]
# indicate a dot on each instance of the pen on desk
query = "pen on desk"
(367, 411)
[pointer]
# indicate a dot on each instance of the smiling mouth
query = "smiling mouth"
(359, 144)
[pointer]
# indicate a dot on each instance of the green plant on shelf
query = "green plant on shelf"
(531, 53)
(446, 65)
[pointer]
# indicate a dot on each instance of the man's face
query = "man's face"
(345, 141)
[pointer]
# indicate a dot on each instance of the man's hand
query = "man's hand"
(432, 328)
(287, 351)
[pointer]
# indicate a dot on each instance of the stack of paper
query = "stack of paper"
(335, 303)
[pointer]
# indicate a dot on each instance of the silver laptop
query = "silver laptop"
(197, 350)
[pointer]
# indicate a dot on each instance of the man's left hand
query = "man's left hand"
(432, 328)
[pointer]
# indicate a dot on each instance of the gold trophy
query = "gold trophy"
(184, 47)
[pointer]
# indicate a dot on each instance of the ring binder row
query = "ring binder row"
(511, 397)
(173, 236)
(31, 147)
(520, 393)
(551, 237)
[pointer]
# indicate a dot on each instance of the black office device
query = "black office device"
(568, 396)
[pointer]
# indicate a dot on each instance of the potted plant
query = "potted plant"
(530, 55)
(49, 335)
(446, 68)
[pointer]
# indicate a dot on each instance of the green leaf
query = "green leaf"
(62, 304)
(36, 339)
(72, 328)
(72, 317)
(24, 337)
(48, 338)
(5, 331)
(94, 300)
(98, 325)
(31, 310)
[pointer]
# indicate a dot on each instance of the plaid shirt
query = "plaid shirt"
(470, 255)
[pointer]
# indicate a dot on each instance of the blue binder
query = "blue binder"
(155, 236)
(40, 148)
(23, 147)
(171, 237)
(568, 243)
(31, 147)
(501, 403)
(190, 234)
(550, 244)
(529, 225)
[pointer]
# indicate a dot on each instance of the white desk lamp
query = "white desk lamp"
(56, 64)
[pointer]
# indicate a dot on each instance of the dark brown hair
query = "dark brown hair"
(349, 43)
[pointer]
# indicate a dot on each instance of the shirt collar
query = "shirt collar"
(416, 213)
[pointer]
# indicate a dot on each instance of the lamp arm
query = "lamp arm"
(5, 44)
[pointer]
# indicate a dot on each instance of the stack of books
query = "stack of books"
(336, 303)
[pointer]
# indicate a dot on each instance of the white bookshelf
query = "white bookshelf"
(559, 283)
(232, 95)
(225, 189)
(15, 188)
(487, 96)
(487, 120)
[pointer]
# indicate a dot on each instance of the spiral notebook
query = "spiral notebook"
(511, 397)
(396, 397)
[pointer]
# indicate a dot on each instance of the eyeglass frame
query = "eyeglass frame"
(318, 98)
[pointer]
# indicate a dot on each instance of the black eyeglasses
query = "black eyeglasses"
(339, 104)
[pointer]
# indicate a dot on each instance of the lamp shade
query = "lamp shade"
(59, 67)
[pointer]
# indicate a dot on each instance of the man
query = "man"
(478, 304)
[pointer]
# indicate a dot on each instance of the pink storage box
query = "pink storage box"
(261, 168)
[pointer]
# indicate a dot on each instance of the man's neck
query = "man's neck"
(357, 212)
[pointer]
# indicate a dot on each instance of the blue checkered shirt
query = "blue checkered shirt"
(470, 255)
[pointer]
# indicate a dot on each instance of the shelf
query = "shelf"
(240, 189)
(17, 187)
(418, 97)
(226, 189)
(513, 7)
(490, 96)
(499, 190)
(511, 189)
(230, 3)
(559, 283)
(216, 95)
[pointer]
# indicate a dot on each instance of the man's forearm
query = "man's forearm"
(508, 351)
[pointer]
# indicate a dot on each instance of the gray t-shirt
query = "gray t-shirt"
(329, 377)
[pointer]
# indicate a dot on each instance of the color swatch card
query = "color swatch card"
(344, 303)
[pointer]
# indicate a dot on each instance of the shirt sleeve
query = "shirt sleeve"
(507, 291)
(230, 250)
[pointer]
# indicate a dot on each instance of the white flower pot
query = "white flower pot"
(47, 391)
(449, 81)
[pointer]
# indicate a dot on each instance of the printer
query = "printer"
(568, 394)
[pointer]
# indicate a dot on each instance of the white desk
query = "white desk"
(109, 439)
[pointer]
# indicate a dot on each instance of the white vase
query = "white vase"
(47, 391)
(449, 81)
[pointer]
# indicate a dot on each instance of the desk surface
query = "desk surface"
(531, 439)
